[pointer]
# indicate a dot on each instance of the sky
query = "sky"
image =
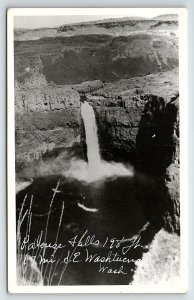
(52, 21)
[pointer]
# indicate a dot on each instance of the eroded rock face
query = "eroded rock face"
(158, 152)
(118, 128)
(121, 120)
(46, 99)
(47, 120)
(156, 141)
(172, 176)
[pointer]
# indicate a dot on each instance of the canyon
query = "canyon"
(131, 81)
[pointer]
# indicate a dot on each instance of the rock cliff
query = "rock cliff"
(48, 120)
(119, 108)
(157, 146)
(74, 59)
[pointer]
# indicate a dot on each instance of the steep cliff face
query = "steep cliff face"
(172, 174)
(118, 128)
(119, 108)
(158, 152)
(74, 59)
(157, 137)
(47, 120)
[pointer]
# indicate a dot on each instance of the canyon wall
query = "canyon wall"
(157, 147)
(75, 59)
(48, 120)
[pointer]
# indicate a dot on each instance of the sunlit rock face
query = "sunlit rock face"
(48, 120)
(129, 125)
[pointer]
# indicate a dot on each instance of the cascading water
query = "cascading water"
(93, 151)
(96, 168)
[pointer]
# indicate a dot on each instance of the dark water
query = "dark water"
(120, 216)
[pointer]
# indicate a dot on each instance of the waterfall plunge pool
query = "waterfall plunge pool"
(107, 210)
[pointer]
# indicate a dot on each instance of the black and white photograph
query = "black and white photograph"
(97, 189)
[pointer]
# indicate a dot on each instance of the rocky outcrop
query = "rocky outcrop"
(46, 99)
(119, 107)
(172, 175)
(157, 136)
(48, 120)
(88, 87)
(118, 121)
(122, 22)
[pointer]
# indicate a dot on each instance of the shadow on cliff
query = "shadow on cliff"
(157, 143)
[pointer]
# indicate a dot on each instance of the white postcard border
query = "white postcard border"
(11, 207)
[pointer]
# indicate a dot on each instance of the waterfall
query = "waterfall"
(96, 168)
(93, 151)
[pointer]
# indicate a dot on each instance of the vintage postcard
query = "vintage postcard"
(97, 150)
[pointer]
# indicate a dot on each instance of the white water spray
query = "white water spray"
(96, 168)
(93, 151)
